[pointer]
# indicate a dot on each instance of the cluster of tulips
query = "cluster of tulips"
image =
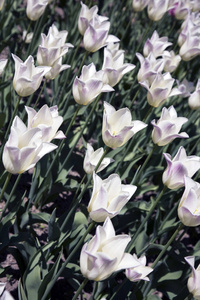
(105, 253)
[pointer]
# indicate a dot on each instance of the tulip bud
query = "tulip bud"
(46, 119)
(194, 99)
(182, 9)
(139, 5)
(113, 64)
(86, 14)
(178, 167)
(190, 48)
(160, 89)
(96, 36)
(185, 87)
(157, 8)
(3, 63)
(189, 208)
(24, 148)
(108, 197)
(118, 126)
(171, 61)
(35, 8)
(28, 36)
(27, 78)
(140, 272)
(104, 253)
(92, 158)
(194, 279)
(156, 45)
(167, 127)
(89, 85)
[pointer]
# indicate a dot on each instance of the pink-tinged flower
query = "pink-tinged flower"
(27, 78)
(24, 148)
(156, 45)
(118, 126)
(190, 48)
(194, 99)
(149, 67)
(89, 85)
(167, 127)
(109, 196)
(113, 64)
(36, 8)
(185, 87)
(194, 279)
(139, 5)
(157, 8)
(86, 15)
(92, 158)
(178, 167)
(1, 4)
(3, 63)
(160, 89)
(181, 9)
(140, 272)
(46, 119)
(191, 26)
(171, 61)
(51, 51)
(189, 206)
(195, 4)
(96, 36)
(104, 253)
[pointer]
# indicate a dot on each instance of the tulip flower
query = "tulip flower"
(171, 61)
(46, 119)
(156, 45)
(178, 167)
(5, 295)
(92, 158)
(182, 8)
(104, 253)
(139, 5)
(109, 196)
(160, 89)
(140, 272)
(36, 8)
(190, 48)
(189, 206)
(157, 8)
(194, 99)
(189, 26)
(185, 87)
(3, 63)
(167, 127)
(149, 67)
(51, 50)
(89, 85)
(27, 78)
(118, 126)
(24, 148)
(28, 36)
(86, 15)
(96, 36)
(194, 279)
(113, 64)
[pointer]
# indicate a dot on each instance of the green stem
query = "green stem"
(38, 98)
(24, 41)
(144, 164)
(76, 200)
(83, 284)
(70, 256)
(2, 193)
(167, 245)
(136, 94)
(132, 243)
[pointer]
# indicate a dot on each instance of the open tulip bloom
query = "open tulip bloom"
(178, 167)
(24, 148)
(140, 272)
(194, 279)
(104, 253)
(27, 78)
(89, 85)
(156, 45)
(118, 126)
(108, 197)
(92, 158)
(167, 127)
(189, 206)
